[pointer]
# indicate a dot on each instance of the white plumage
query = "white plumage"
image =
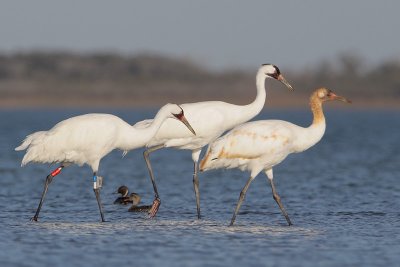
(86, 139)
(81, 139)
(260, 145)
(210, 119)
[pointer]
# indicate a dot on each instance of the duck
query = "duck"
(124, 199)
(133, 198)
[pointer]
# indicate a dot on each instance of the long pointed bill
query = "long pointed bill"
(340, 98)
(187, 124)
(283, 80)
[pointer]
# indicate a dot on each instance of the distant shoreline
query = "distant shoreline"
(70, 80)
(275, 103)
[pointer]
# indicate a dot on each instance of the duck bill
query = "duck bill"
(340, 98)
(283, 80)
(187, 124)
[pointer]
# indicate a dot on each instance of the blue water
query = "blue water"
(343, 196)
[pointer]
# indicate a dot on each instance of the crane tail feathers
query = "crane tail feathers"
(28, 140)
(30, 143)
(23, 146)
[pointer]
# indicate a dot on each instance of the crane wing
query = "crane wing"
(254, 139)
(250, 141)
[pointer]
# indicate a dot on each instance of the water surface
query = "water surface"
(343, 196)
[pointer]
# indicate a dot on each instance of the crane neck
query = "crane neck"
(136, 137)
(317, 111)
(148, 133)
(311, 135)
(244, 113)
(258, 103)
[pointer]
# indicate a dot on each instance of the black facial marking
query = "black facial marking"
(274, 75)
(179, 115)
(277, 69)
(277, 72)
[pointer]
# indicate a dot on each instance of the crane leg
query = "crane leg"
(96, 189)
(278, 201)
(196, 188)
(157, 200)
(241, 198)
(49, 179)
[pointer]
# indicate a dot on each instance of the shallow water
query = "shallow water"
(343, 196)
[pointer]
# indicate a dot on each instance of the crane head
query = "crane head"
(325, 94)
(273, 71)
(181, 116)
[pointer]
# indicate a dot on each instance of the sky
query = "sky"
(217, 34)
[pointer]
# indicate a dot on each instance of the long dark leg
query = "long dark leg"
(196, 188)
(278, 201)
(49, 178)
(96, 189)
(277, 198)
(157, 200)
(241, 198)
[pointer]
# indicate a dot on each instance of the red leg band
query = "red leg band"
(56, 171)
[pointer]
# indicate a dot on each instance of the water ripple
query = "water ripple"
(342, 195)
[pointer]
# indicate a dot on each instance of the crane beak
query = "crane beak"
(333, 96)
(187, 124)
(181, 117)
(283, 80)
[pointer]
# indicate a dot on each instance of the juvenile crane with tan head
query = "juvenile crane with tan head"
(260, 145)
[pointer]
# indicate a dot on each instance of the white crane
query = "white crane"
(210, 119)
(86, 139)
(260, 145)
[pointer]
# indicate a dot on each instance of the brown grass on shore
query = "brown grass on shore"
(44, 80)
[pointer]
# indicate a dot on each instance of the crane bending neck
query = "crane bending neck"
(139, 137)
(149, 132)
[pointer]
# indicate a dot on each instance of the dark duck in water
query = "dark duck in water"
(132, 198)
